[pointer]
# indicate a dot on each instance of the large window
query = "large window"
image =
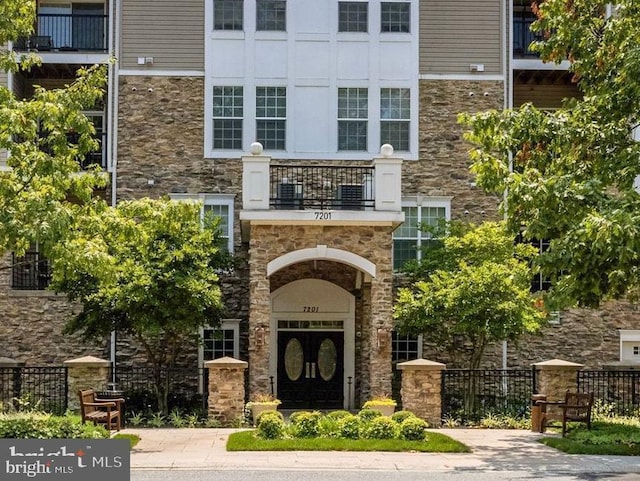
(408, 239)
(227, 117)
(395, 117)
(353, 16)
(271, 117)
(539, 281)
(353, 108)
(271, 15)
(395, 17)
(228, 14)
(405, 347)
(221, 342)
(31, 271)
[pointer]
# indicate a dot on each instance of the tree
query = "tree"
(568, 175)
(146, 268)
(470, 289)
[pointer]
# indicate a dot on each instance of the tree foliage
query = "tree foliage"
(472, 288)
(569, 174)
(147, 268)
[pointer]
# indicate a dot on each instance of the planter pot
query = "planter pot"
(258, 408)
(384, 409)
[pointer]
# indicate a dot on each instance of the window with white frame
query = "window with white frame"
(353, 16)
(271, 117)
(228, 14)
(222, 341)
(228, 109)
(405, 347)
(395, 17)
(395, 117)
(271, 15)
(408, 239)
(353, 108)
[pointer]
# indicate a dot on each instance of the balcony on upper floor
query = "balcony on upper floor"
(70, 27)
(320, 193)
(523, 17)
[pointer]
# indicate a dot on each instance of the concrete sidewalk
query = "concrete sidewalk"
(505, 450)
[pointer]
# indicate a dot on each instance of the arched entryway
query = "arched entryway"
(313, 332)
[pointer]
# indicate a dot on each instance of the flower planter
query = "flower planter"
(384, 409)
(258, 408)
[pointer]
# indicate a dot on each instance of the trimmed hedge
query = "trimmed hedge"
(33, 425)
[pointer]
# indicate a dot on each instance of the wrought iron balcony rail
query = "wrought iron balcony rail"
(98, 157)
(30, 272)
(63, 33)
(321, 187)
(523, 36)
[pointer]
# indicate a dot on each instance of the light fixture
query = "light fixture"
(383, 337)
(259, 336)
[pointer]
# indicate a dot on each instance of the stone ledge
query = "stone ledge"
(226, 362)
(421, 365)
(87, 361)
(557, 364)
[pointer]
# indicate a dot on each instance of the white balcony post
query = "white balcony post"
(255, 179)
(388, 180)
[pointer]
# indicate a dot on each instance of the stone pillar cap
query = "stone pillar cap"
(226, 362)
(87, 361)
(421, 365)
(558, 364)
(8, 362)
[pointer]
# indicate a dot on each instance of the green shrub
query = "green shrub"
(338, 414)
(381, 427)
(271, 425)
(413, 429)
(503, 421)
(176, 419)
(329, 427)
(400, 416)
(369, 414)
(306, 424)
(46, 426)
(349, 427)
(157, 420)
(271, 413)
(295, 415)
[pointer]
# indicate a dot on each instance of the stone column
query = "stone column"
(421, 389)
(226, 389)
(259, 324)
(555, 377)
(11, 385)
(85, 373)
(379, 331)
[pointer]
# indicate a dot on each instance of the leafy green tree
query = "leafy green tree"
(148, 269)
(470, 289)
(569, 174)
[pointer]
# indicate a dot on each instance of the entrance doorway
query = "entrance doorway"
(311, 369)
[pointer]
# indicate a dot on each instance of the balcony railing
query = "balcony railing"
(523, 36)
(98, 157)
(316, 187)
(30, 272)
(63, 33)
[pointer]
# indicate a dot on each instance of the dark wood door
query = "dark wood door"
(311, 369)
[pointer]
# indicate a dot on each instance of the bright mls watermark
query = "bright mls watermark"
(65, 459)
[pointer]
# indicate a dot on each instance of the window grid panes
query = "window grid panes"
(352, 104)
(221, 211)
(395, 17)
(404, 347)
(395, 115)
(218, 343)
(227, 117)
(408, 239)
(271, 15)
(540, 282)
(271, 113)
(31, 271)
(228, 14)
(353, 16)
(636, 350)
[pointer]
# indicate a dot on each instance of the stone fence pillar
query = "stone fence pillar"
(85, 373)
(555, 377)
(226, 389)
(10, 378)
(422, 389)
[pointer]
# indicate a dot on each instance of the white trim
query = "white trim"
(461, 76)
(160, 73)
(537, 64)
(322, 252)
(226, 324)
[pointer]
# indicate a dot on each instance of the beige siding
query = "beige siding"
(454, 34)
(3, 79)
(544, 96)
(172, 32)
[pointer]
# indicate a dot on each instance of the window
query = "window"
(352, 118)
(539, 281)
(271, 114)
(408, 239)
(227, 118)
(227, 14)
(636, 350)
(31, 271)
(395, 17)
(395, 114)
(353, 16)
(271, 15)
(221, 342)
(405, 347)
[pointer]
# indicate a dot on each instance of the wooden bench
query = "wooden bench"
(100, 411)
(576, 407)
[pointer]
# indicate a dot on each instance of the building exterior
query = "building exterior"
(321, 214)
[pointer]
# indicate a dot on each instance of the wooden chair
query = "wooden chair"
(100, 411)
(576, 407)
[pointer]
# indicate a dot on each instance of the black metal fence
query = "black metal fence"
(30, 272)
(618, 392)
(188, 388)
(68, 32)
(471, 394)
(317, 187)
(44, 388)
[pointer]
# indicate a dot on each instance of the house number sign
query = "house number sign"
(322, 215)
(310, 309)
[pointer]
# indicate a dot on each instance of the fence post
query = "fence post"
(226, 389)
(555, 377)
(421, 389)
(85, 373)
(11, 385)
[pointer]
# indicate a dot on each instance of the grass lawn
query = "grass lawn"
(435, 443)
(604, 438)
(133, 438)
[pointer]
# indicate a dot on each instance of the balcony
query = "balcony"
(523, 17)
(67, 33)
(359, 194)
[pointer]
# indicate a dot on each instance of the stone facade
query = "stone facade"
(226, 389)
(85, 373)
(421, 389)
